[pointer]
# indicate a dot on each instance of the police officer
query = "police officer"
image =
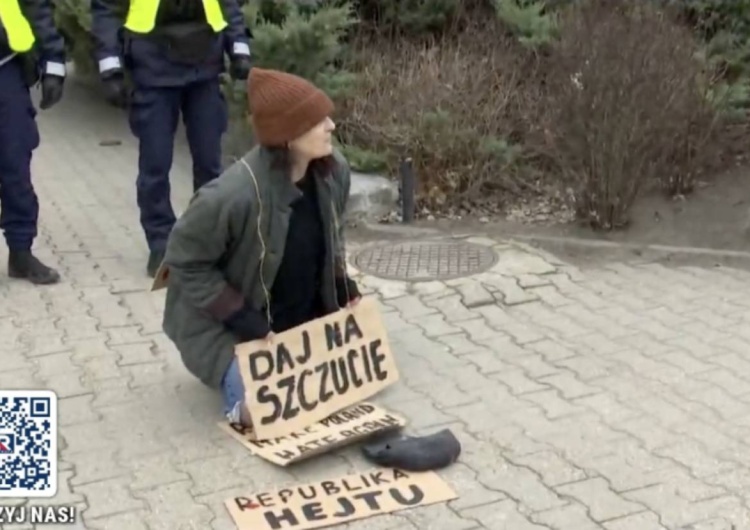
(30, 49)
(174, 51)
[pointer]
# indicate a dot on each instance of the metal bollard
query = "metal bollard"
(408, 191)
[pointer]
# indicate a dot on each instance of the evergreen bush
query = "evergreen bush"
(301, 38)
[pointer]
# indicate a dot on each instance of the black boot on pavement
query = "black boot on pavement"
(25, 266)
(154, 261)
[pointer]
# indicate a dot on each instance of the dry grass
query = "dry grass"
(617, 103)
(452, 105)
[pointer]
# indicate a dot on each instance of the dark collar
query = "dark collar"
(279, 183)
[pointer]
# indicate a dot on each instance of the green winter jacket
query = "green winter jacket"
(215, 252)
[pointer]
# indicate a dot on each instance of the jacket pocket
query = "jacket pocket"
(144, 103)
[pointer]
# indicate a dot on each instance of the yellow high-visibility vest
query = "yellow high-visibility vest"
(142, 15)
(20, 35)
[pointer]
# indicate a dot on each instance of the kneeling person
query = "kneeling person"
(261, 249)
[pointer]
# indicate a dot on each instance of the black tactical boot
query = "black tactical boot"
(24, 265)
(154, 261)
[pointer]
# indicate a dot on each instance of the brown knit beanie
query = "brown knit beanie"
(284, 106)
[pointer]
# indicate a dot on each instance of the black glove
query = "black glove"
(248, 324)
(346, 286)
(52, 90)
(115, 91)
(240, 67)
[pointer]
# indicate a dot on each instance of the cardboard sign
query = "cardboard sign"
(342, 428)
(332, 502)
(311, 371)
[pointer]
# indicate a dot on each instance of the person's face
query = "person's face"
(315, 143)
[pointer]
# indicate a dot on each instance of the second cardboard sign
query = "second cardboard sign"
(342, 428)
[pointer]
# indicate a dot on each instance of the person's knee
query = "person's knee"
(155, 163)
(18, 138)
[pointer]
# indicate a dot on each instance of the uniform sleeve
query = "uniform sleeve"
(237, 33)
(198, 242)
(106, 22)
(50, 42)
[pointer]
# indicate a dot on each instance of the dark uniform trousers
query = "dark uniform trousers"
(19, 136)
(175, 70)
(154, 115)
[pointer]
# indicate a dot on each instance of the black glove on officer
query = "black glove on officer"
(248, 324)
(239, 67)
(115, 90)
(52, 90)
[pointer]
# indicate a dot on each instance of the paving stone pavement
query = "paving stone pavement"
(612, 397)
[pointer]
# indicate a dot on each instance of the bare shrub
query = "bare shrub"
(625, 106)
(450, 104)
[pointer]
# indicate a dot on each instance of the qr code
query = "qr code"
(28, 443)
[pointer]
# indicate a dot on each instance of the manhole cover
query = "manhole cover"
(439, 260)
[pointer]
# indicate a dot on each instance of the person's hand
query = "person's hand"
(239, 67)
(270, 336)
(115, 90)
(52, 91)
(248, 325)
(347, 292)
